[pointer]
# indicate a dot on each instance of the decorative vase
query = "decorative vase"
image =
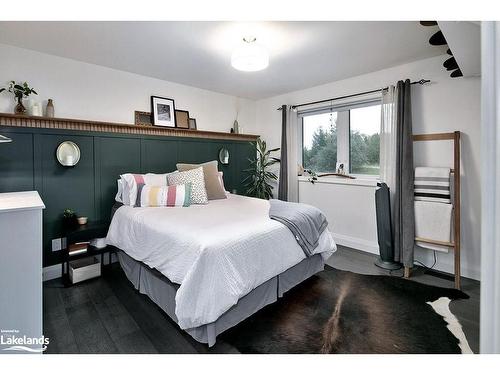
(36, 109)
(236, 127)
(20, 109)
(49, 111)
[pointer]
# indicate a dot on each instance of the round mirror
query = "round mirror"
(224, 156)
(68, 154)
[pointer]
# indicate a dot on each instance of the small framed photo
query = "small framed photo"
(182, 119)
(163, 111)
(142, 118)
(192, 123)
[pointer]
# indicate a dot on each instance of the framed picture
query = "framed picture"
(192, 123)
(142, 118)
(182, 119)
(163, 111)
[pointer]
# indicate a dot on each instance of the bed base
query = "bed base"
(162, 292)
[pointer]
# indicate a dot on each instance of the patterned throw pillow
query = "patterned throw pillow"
(130, 182)
(210, 173)
(196, 178)
(163, 196)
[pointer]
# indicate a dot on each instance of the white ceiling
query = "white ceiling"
(302, 54)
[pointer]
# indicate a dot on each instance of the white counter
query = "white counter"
(20, 270)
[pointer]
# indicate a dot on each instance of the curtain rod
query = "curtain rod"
(420, 82)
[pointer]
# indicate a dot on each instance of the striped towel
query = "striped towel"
(432, 184)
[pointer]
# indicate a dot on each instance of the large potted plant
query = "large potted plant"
(259, 181)
(20, 91)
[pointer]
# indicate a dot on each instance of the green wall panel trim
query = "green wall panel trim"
(29, 163)
(10, 129)
(117, 156)
(158, 155)
(244, 152)
(65, 187)
(16, 161)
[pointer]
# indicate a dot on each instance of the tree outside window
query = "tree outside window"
(356, 132)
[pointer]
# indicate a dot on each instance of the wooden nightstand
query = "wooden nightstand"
(84, 233)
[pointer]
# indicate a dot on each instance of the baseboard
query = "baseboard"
(444, 264)
(356, 243)
(55, 271)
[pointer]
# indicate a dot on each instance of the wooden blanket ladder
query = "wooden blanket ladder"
(455, 245)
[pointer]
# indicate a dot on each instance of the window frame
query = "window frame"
(343, 130)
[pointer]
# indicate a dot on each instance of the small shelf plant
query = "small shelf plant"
(69, 218)
(20, 91)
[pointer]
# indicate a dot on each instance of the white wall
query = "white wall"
(349, 206)
(92, 92)
(444, 105)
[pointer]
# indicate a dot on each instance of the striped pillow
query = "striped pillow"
(131, 182)
(163, 196)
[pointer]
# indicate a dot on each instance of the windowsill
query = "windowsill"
(359, 181)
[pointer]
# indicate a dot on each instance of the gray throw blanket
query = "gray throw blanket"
(304, 221)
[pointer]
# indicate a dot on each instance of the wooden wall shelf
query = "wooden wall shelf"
(9, 119)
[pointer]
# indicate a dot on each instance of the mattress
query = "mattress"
(217, 252)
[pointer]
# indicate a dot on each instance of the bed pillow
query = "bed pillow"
(196, 178)
(119, 193)
(211, 175)
(130, 181)
(163, 196)
(221, 181)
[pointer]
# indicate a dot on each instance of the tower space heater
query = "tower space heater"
(384, 229)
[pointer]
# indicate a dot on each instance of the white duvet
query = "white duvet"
(217, 252)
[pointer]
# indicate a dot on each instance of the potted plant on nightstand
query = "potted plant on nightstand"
(20, 91)
(69, 219)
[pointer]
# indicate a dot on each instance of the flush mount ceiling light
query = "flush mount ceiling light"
(250, 57)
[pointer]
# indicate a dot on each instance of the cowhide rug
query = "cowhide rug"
(344, 312)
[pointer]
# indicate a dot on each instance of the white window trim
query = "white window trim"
(361, 181)
(343, 131)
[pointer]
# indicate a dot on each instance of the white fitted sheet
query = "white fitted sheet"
(218, 252)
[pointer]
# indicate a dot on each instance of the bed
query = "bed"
(211, 266)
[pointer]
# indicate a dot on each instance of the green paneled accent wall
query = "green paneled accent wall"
(29, 163)
(62, 187)
(114, 156)
(158, 155)
(16, 163)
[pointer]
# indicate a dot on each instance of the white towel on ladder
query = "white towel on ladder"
(433, 222)
(432, 184)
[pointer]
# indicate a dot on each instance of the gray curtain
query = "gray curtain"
(403, 211)
(283, 179)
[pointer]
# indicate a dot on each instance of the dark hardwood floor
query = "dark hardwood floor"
(106, 315)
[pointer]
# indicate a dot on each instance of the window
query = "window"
(320, 142)
(364, 134)
(348, 135)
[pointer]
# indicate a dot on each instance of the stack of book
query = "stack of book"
(78, 248)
